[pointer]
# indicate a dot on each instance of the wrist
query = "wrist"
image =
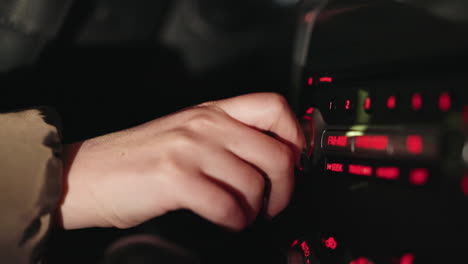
(77, 209)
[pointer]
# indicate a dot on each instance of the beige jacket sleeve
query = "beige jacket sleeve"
(30, 182)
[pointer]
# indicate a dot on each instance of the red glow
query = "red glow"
(337, 141)
(465, 114)
(310, 81)
(336, 167)
(419, 176)
(361, 260)
(305, 249)
(294, 243)
(326, 79)
(445, 102)
(372, 142)
(368, 104)
(308, 261)
(391, 102)
(348, 104)
(407, 259)
(360, 170)
(309, 17)
(388, 173)
(464, 184)
(416, 102)
(310, 110)
(330, 243)
(414, 144)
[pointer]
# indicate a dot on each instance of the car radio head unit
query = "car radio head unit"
(383, 90)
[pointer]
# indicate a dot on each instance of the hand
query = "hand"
(213, 159)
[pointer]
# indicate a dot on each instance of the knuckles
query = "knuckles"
(285, 159)
(203, 118)
(228, 211)
(277, 102)
(256, 184)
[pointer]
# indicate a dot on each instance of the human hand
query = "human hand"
(213, 159)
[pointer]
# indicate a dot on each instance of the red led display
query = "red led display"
(360, 170)
(336, 167)
(391, 102)
(326, 79)
(419, 176)
(330, 243)
(305, 249)
(310, 81)
(416, 102)
(388, 173)
(372, 142)
(337, 141)
(414, 144)
(361, 260)
(464, 184)
(348, 104)
(445, 102)
(368, 104)
(407, 259)
(294, 243)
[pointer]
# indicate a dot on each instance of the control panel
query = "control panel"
(384, 176)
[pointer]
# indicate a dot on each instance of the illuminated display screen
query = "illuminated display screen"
(379, 143)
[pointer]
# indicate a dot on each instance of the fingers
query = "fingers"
(271, 156)
(212, 202)
(239, 178)
(267, 112)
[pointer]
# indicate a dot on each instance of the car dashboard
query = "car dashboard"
(380, 89)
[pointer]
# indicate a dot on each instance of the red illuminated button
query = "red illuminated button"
(336, 141)
(391, 102)
(310, 81)
(348, 105)
(368, 104)
(445, 102)
(305, 249)
(407, 259)
(371, 142)
(388, 173)
(335, 167)
(294, 243)
(416, 102)
(360, 170)
(414, 144)
(326, 79)
(330, 243)
(361, 260)
(464, 184)
(419, 176)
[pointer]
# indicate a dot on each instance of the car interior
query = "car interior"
(380, 88)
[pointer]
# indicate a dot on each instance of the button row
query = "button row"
(390, 144)
(392, 103)
(416, 176)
